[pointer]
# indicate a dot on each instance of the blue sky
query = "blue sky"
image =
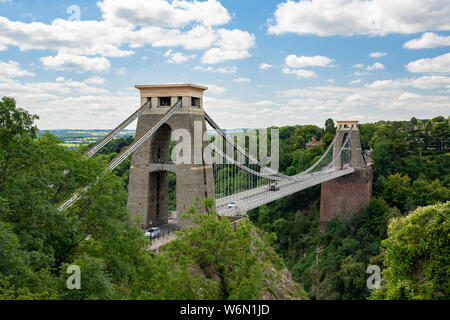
(265, 62)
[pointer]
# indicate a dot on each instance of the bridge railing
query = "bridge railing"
(294, 187)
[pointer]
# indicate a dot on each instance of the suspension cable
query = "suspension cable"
(242, 151)
(94, 149)
(125, 153)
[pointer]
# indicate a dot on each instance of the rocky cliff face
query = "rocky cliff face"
(280, 286)
(234, 265)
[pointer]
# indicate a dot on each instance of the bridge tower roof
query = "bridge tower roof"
(171, 90)
(347, 121)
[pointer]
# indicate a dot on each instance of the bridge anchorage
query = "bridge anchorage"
(347, 195)
(240, 181)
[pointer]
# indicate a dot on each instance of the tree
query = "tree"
(350, 280)
(389, 148)
(96, 282)
(329, 126)
(440, 135)
(375, 218)
(397, 190)
(327, 139)
(438, 119)
(16, 128)
(417, 256)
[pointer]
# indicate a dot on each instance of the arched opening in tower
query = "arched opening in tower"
(346, 155)
(159, 152)
(159, 193)
(172, 192)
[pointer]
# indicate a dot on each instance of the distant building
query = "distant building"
(314, 142)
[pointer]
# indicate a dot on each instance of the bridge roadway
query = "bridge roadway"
(257, 197)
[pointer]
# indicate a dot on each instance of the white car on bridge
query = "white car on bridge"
(232, 204)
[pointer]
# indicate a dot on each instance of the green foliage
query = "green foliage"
(329, 126)
(96, 282)
(389, 147)
(348, 278)
(417, 255)
(211, 260)
(348, 246)
(399, 192)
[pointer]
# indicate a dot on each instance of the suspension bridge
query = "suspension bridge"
(237, 180)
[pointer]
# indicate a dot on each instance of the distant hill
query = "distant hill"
(73, 138)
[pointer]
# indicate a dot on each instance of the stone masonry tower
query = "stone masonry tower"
(347, 195)
(150, 163)
(354, 144)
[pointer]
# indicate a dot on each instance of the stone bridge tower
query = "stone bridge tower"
(151, 162)
(347, 195)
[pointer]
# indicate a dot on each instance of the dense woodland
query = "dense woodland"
(404, 229)
(411, 169)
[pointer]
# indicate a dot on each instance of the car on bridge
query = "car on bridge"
(232, 204)
(273, 187)
(153, 232)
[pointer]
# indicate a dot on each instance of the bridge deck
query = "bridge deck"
(257, 197)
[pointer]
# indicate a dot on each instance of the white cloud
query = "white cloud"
(12, 69)
(69, 62)
(121, 71)
(95, 80)
(360, 73)
(356, 81)
(425, 82)
(295, 64)
(439, 64)
(192, 25)
(264, 103)
(65, 103)
(224, 70)
(215, 89)
(43, 91)
(378, 54)
(198, 38)
(300, 73)
(350, 17)
(177, 57)
(359, 66)
(241, 80)
(3, 48)
(428, 40)
(264, 66)
(330, 80)
(409, 96)
(364, 103)
(375, 66)
(176, 14)
(300, 62)
(355, 97)
(232, 45)
(74, 37)
(217, 55)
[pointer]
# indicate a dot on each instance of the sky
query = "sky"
(266, 63)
